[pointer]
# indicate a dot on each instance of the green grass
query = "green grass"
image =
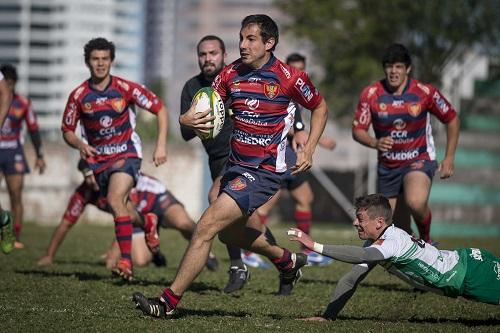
(76, 294)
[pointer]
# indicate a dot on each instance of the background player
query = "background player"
(297, 184)
(468, 272)
(399, 109)
(256, 161)
(212, 55)
(148, 196)
(13, 164)
(105, 107)
(6, 224)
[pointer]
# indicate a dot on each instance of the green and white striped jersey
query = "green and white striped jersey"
(421, 262)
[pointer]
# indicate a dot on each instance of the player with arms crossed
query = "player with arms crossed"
(468, 272)
(13, 164)
(260, 88)
(105, 107)
(7, 235)
(400, 109)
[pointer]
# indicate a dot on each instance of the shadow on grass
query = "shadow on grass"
(381, 286)
(196, 287)
(82, 276)
(79, 262)
(462, 321)
(182, 312)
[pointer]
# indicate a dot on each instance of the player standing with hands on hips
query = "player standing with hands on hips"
(260, 88)
(105, 107)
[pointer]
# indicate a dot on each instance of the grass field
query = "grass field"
(77, 294)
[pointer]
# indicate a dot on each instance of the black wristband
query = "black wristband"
(298, 126)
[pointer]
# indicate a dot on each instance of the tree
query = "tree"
(350, 36)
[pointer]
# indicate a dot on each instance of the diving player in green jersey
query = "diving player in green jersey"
(468, 272)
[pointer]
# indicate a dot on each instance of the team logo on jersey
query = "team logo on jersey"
(78, 92)
(118, 104)
(16, 112)
(285, 71)
(399, 124)
(238, 184)
(417, 165)
(252, 103)
(414, 109)
(124, 85)
(382, 106)
(424, 88)
(371, 91)
(88, 106)
(271, 90)
(106, 121)
(304, 89)
(476, 254)
(440, 102)
(496, 268)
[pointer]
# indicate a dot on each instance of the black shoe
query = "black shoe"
(154, 307)
(159, 259)
(237, 278)
(290, 277)
(212, 263)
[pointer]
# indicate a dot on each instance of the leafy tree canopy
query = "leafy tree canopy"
(350, 36)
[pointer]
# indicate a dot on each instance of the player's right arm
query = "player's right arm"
(5, 99)
(70, 119)
(361, 123)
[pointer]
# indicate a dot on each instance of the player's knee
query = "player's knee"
(205, 230)
(141, 261)
(416, 204)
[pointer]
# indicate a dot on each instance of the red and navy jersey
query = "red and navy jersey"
(147, 191)
(107, 118)
(259, 99)
(20, 110)
(83, 196)
(406, 118)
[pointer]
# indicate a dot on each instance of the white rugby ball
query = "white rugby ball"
(207, 98)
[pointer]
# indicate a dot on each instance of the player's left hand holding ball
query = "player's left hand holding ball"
(301, 237)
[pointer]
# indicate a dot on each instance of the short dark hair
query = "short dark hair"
(396, 53)
(268, 28)
(375, 205)
(100, 44)
(212, 37)
(295, 57)
(9, 72)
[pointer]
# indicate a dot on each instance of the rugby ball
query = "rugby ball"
(207, 98)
